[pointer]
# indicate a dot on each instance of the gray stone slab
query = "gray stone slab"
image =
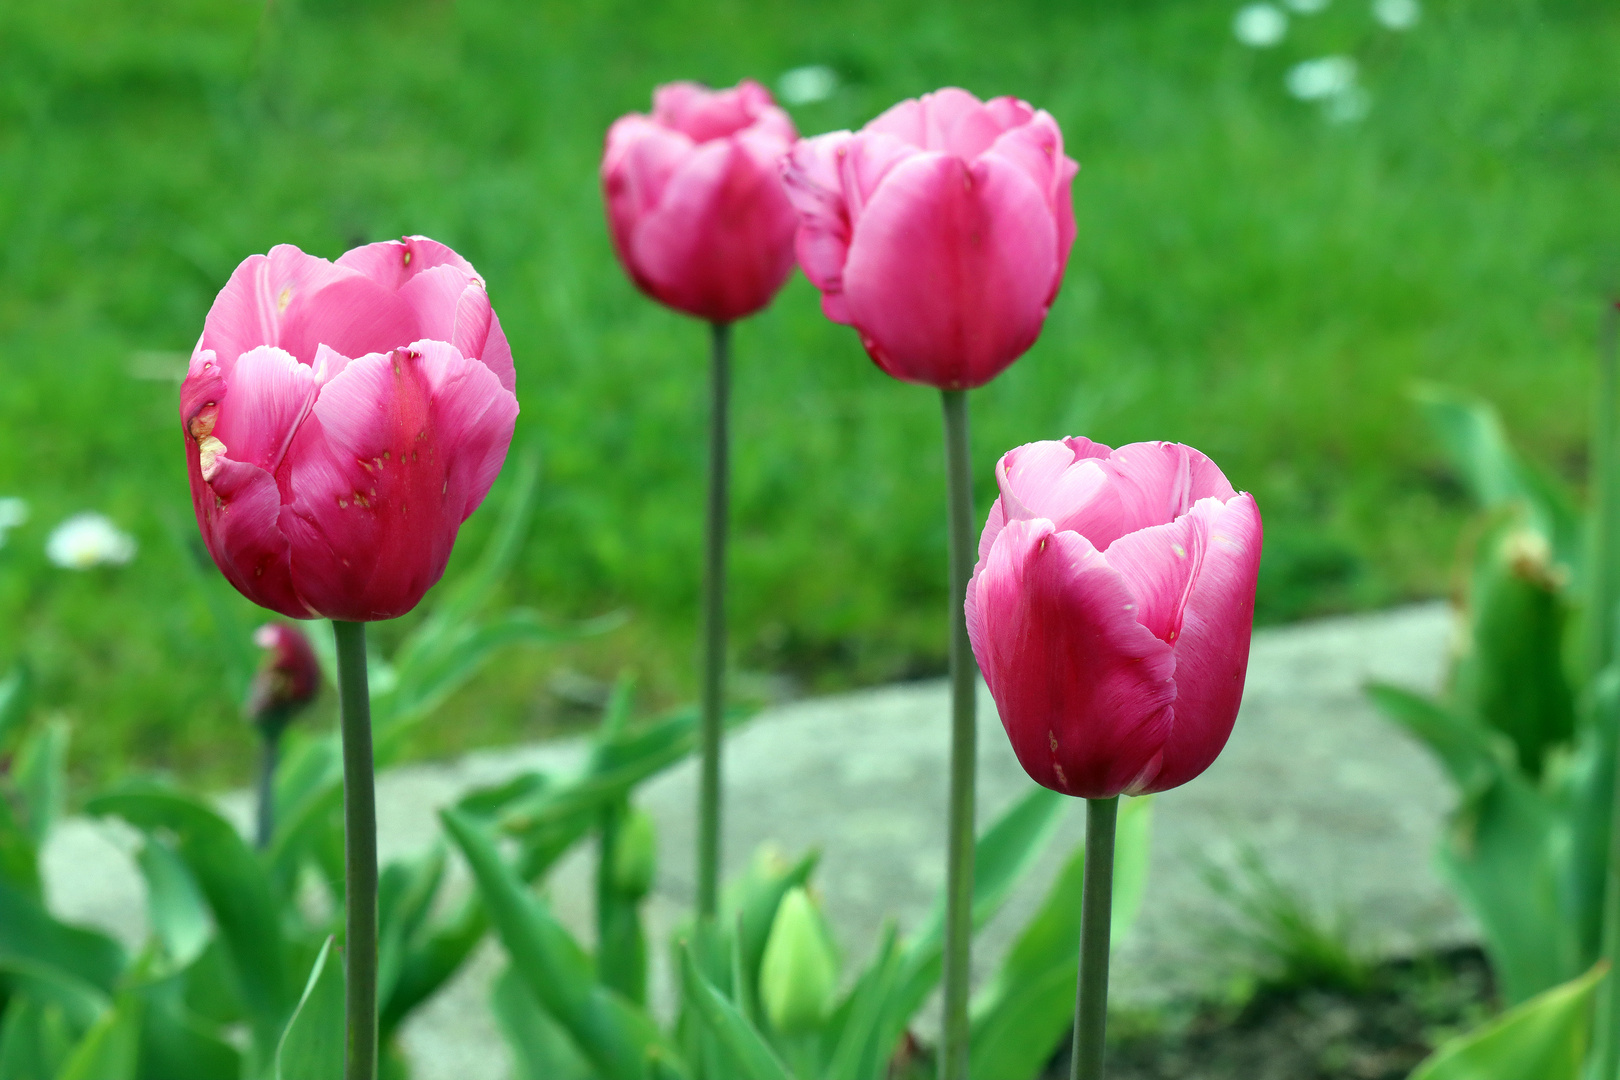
(1335, 803)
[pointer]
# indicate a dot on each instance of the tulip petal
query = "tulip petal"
(950, 121)
(1160, 563)
(266, 398)
(949, 271)
(812, 176)
(1046, 480)
(352, 315)
(1084, 690)
(1037, 148)
(398, 450)
(392, 263)
(238, 512)
(720, 242)
(1150, 483)
(252, 308)
(703, 114)
(639, 159)
(1212, 651)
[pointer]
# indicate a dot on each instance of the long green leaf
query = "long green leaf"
(1544, 1038)
(16, 694)
(175, 907)
(540, 1048)
(313, 1044)
(237, 890)
(608, 1031)
(40, 774)
(29, 935)
(1472, 754)
(175, 1044)
(747, 1050)
(82, 1004)
(109, 1050)
(35, 1040)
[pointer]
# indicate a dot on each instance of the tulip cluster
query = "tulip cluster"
(343, 419)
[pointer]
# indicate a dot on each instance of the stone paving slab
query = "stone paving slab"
(1335, 803)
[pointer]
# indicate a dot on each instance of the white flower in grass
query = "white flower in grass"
(1308, 7)
(807, 85)
(89, 539)
(13, 512)
(1259, 26)
(1397, 14)
(1322, 78)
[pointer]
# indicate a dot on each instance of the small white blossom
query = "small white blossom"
(89, 539)
(1316, 80)
(13, 512)
(1397, 14)
(1259, 26)
(807, 85)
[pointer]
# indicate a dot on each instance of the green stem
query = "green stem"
(714, 623)
(1096, 918)
(359, 853)
(964, 689)
(1603, 566)
(264, 828)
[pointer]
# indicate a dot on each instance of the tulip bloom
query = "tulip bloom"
(1111, 610)
(288, 679)
(939, 231)
(342, 420)
(695, 200)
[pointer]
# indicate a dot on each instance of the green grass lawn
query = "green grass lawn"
(1249, 278)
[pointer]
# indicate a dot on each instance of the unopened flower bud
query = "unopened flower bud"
(287, 681)
(635, 856)
(799, 971)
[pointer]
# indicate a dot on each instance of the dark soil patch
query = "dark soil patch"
(1378, 1032)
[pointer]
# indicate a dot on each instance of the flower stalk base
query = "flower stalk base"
(359, 854)
(1096, 917)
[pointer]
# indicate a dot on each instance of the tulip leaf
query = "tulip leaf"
(541, 1049)
(312, 1046)
(175, 907)
(30, 936)
(1472, 754)
(40, 773)
(80, 1002)
(609, 1032)
(405, 892)
(109, 1049)
(177, 1045)
(857, 1043)
(19, 855)
(746, 1049)
(236, 887)
(1544, 1038)
(35, 1040)
(16, 694)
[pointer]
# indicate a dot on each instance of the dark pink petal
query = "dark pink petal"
(351, 314)
(704, 115)
(720, 243)
(253, 306)
(949, 270)
(639, 159)
(398, 449)
(1084, 691)
(268, 396)
(1212, 651)
(237, 512)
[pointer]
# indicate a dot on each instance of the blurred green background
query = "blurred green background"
(1251, 276)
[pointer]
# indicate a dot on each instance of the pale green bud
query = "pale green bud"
(635, 856)
(799, 971)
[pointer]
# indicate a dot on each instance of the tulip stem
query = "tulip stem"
(359, 853)
(1604, 569)
(714, 622)
(964, 739)
(1096, 918)
(264, 829)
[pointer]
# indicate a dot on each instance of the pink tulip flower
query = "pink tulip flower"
(939, 231)
(342, 420)
(695, 200)
(1110, 612)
